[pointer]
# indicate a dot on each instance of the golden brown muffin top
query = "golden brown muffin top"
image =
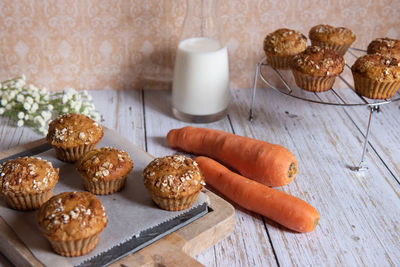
(329, 34)
(27, 175)
(72, 216)
(71, 130)
(173, 176)
(377, 67)
(104, 164)
(385, 46)
(284, 42)
(318, 62)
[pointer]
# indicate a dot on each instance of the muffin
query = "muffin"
(316, 68)
(281, 45)
(386, 47)
(72, 222)
(376, 76)
(173, 182)
(26, 183)
(72, 135)
(104, 170)
(338, 39)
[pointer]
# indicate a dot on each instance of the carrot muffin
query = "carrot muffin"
(72, 135)
(386, 47)
(376, 76)
(174, 182)
(338, 39)
(104, 170)
(72, 222)
(26, 183)
(316, 68)
(281, 45)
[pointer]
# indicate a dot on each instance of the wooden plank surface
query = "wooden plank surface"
(359, 213)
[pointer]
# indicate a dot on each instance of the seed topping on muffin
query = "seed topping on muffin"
(334, 35)
(285, 42)
(318, 61)
(378, 67)
(28, 175)
(385, 46)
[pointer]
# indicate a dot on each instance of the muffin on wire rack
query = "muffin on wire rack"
(338, 39)
(376, 76)
(26, 183)
(281, 45)
(72, 135)
(173, 182)
(386, 47)
(72, 222)
(316, 68)
(104, 170)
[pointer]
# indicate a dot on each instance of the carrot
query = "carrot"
(287, 210)
(266, 163)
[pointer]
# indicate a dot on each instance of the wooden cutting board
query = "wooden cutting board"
(175, 249)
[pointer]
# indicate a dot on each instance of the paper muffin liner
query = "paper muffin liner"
(73, 154)
(74, 248)
(104, 187)
(279, 62)
(341, 49)
(374, 89)
(313, 84)
(175, 204)
(26, 201)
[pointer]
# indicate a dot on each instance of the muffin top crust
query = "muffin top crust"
(334, 35)
(318, 62)
(27, 175)
(377, 67)
(71, 130)
(386, 47)
(173, 176)
(72, 216)
(284, 42)
(104, 164)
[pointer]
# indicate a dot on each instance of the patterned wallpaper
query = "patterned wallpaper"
(125, 44)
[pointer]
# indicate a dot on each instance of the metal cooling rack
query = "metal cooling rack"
(339, 100)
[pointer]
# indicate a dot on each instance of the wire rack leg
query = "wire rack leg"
(251, 114)
(363, 164)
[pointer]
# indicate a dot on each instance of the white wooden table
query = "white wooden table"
(360, 213)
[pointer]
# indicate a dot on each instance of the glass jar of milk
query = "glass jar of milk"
(200, 88)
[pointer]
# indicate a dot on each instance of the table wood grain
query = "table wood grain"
(360, 212)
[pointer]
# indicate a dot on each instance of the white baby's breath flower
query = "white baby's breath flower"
(34, 107)
(27, 106)
(27, 117)
(20, 98)
(65, 99)
(3, 102)
(29, 100)
(8, 107)
(23, 77)
(21, 115)
(65, 110)
(20, 83)
(50, 107)
(20, 123)
(2, 110)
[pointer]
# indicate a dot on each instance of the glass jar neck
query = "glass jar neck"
(201, 20)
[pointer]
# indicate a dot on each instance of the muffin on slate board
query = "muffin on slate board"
(72, 222)
(173, 182)
(72, 135)
(376, 76)
(338, 39)
(281, 45)
(26, 183)
(104, 170)
(316, 68)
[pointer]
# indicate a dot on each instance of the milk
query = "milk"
(201, 77)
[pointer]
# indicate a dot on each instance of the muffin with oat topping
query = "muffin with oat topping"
(72, 135)
(281, 45)
(72, 222)
(104, 170)
(376, 76)
(173, 182)
(316, 68)
(338, 39)
(26, 183)
(386, 47)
